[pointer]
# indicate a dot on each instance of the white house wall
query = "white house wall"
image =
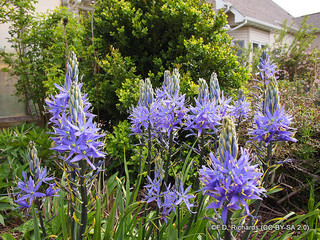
(44, 5)
(9, 104)
(257, 35)
(240, 34)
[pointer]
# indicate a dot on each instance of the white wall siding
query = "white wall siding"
(4, 28)
(41, 7)
(240, 34)
(44, 5)
(9, 104)
(258, 35)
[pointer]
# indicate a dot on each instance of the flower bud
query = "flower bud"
(241, 96)
(172, 82)
(271, 101)
(203, 95)
(158, 168)
(214, 87)
(146, 93)
(76, 103)
(177, 182)
(228, 139)
(73, 71)
(33, 160)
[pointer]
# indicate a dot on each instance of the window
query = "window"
(258, 45)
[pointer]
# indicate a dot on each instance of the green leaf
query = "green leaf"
(25, 227)
(172, 233)
(35, 223)
(2, 220)
(97, 227)
(7, 236)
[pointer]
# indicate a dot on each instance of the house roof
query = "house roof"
(265, 11)
(313, 19)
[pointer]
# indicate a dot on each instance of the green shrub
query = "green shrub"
(153, 36)
(296, 60)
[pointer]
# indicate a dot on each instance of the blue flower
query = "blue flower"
(76, 134)
(153, 192)
(169, 203)
(267, 69)
(52, 190)
(169, 199)
(272, 123)
(241, 107)
(273, 127)
(183, 196)
(28, 191)
(206, 114)
(231, 182)
(203, 117)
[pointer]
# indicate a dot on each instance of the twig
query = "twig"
(304, 186)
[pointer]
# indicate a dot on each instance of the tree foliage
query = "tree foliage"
(38, 56)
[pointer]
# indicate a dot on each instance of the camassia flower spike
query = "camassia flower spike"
(33, 187)
(267, 69)
(77, 140)
(272, 123)
(76, 133)
(142, 116)
(228, 180)
(241, 107)
(205, 115)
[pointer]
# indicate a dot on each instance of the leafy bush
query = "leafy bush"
(156, 36)
(297, 60)
(38, 60)
(119, 74)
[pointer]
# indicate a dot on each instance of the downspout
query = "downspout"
(228, 5)
(239, 26)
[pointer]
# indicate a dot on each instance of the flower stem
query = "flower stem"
(84, 199)
(265, 184)
(194, 217)
(158, 224)
(41, 219)
(227, 233)
(149, 150)
(178, 221)
(72, 206)
(166, 174)
(200, 158)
